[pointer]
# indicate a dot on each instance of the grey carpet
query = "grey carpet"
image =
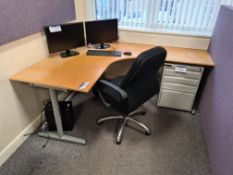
(176, 146)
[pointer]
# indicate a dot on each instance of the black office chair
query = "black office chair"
(127, 93)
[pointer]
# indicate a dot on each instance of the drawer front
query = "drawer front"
(181, 80)
(187, 74)
(179, 87)
(176, 100)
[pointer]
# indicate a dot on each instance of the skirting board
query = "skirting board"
(15, 143)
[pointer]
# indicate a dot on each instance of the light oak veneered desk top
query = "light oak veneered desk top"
(71, 72)
(189, 56)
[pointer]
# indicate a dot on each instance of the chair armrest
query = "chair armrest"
(122, 93)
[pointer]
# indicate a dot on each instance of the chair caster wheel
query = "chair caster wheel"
(193, 112)
(147, 133)
(99, 123)
(143, 113)
(118, 143)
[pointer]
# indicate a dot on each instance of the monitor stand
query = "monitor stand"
(102, 46)
(69, 53)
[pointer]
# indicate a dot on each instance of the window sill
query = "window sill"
(166, 32)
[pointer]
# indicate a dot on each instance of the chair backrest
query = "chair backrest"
(141, 81)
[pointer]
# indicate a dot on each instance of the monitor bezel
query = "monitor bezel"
(65, 51)
(101, 42)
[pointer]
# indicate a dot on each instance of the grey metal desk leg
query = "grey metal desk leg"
(59, 135)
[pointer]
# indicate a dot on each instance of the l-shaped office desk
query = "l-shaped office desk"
(55, 73)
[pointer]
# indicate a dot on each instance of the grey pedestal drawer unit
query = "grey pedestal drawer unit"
(179, 86)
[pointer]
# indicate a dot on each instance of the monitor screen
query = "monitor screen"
(65, 37)
(101, 31)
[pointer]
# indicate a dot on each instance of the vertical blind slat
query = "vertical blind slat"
(145, 13)
(122, 13)
(214, 15)
(141, 13)
(190, 9)
(192, 16)
(156, 14)
(151, 14)
(113, 7)
(162, 14)
(184, 14)
(102, 10)
(117, 14)
(178, 14)
(195, 15)
(126, 11)
(206, 16)
(136, 13)
(169, 10)
(131, 16)
(106, 10)
(200, 16)
(173, 14)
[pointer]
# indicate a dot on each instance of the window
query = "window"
(189, 17)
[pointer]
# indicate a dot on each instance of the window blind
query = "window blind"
(189, 17)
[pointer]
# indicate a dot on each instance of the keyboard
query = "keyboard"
(113, 53)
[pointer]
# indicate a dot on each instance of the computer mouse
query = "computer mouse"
(127, 53)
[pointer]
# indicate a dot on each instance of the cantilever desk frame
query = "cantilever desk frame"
(56, 73)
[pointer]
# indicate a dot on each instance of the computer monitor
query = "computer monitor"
(101, 31)
(65, 37)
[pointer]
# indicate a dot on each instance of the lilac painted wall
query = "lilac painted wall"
(216, 106)
(19, 18)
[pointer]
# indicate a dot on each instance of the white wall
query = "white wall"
(20, 104)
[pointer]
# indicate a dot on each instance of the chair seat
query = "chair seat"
(114, 99)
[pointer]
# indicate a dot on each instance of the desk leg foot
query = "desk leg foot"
(64, 138)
